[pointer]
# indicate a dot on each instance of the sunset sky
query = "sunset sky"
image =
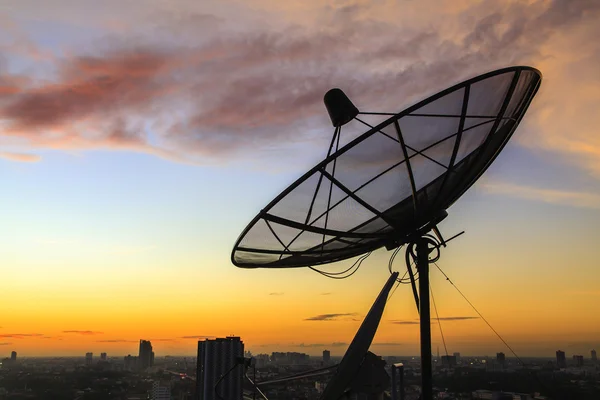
(138, 138)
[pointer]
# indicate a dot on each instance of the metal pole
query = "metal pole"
(424, 311)
(397, 369)
(394, 388)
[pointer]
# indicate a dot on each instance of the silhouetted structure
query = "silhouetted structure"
(398, 193)
(457, 355)
(130, 362)
(594, 357)
(578, 360)
(13, 356)
(561, 359)
(103, 356)
(326, 356)
(449, 361)
(500, 358)
(216, 358)
(146, 355)
(89, 358)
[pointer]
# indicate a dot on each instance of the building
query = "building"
(457, 355)
(594, 357)
(89, 358)
(500, 358)
(130, 363)
(326, 356)
(160, 391)
(216, 358)
(13, 356)
(103, 356)
(146, 355)
(561, 359)
(449, 361)
(578, 360)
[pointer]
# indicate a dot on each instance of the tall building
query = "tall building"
(13, 356)
(146, 355)
(561, 359)
(160, 391)
(89, 358)
(594, 357)
(578, 361)
(103, 356)
(500, 358)
(217, 357)
(326, 356)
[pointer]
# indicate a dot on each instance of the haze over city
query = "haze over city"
(136, 142)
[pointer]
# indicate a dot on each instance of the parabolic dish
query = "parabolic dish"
(393, 179)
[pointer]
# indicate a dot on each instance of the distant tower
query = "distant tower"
(561, 359)
(13, 356)
(500, 358)
(457, 356)
(89, 358)
(216, 357)
(146, 355)
(578, 361)
(594, 357)
(326, 356)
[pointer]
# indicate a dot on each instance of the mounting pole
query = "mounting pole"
(425, 320)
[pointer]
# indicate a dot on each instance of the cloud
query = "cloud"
(22, 157)
(85, 333)
(325, 294)
(329, 317)
(387, 344)
(116, 341)
(310, 345)
(163, 340)
(198, 337)
(20, 335)
(261, 88)
(560, 197)
(276, 294)
(433, 320)
(5, 344)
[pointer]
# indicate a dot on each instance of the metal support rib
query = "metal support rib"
(461, 126)
(408, 168)
(353, 195)
(336, 133)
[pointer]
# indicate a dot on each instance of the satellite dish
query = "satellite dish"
(394, 180)
(390, 186)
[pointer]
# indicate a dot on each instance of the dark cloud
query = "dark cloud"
(433, 320)
(276, 294)
(198, 337)
(238, 90)
(163, 340)
(325, 294)
(116, 341)
(84, 333)
(387, 344)
(5, 343)
(330, 317)
(20, 335)
(309, 345)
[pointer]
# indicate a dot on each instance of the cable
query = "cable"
(438, 320)
(221, 379)
(481, 316)
(335, 275)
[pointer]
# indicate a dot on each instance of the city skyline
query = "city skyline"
(135, 146)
